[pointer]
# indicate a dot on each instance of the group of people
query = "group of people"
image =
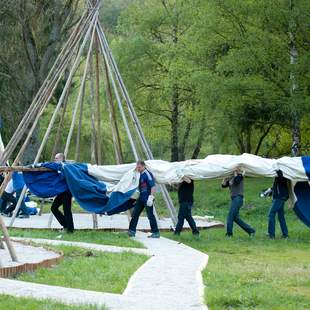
(280, 194)
(146, 199)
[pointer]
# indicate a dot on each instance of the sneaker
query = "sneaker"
(284, 237)
(131, 233)
(154, 235)
(24, 216)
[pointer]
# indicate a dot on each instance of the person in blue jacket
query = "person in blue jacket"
(280, 195)
(145, 200)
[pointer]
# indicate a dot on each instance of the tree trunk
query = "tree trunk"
(296, 133)
(200, 139)
(184, 140)
(175, 124)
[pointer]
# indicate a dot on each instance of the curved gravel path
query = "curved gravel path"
(170, 279)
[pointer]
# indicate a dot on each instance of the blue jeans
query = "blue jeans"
(23, 208)
(138, 208)
(233, 216)
(277, 208)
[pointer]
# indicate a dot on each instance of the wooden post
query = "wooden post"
(144, 143)
(79, 98)
(8, 240)
(97, 96)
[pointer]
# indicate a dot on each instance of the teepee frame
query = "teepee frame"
(99, 59)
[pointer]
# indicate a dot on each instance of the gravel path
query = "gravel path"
(170, 279)
(117, 222)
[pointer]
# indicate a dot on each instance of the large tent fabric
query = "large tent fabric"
(107, 189)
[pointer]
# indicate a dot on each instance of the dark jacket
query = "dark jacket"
(280, 187)
(186, 192)
(235, 185)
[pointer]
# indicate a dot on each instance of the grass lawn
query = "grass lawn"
(91, 236)
(8, 302)
(89, 270)
(251, 273)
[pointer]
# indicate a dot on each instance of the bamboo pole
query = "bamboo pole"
(60, 127)
(76, 34)
(132, 144)
(97, 96)
(60, 102)
(112, 116)
(78, 136)
(77, 104)
(8, 240)
(136, 122)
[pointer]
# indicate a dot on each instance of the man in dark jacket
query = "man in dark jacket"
(235, 184)
(279, 195)
(186, 200)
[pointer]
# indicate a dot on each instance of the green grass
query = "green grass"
(91, 236)
(89, 270)
(246, 273)
(8, 302)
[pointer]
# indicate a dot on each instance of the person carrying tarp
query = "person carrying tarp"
(65, 219)
(145, 200)
(235, 184)
(186, 200)
(279, 195)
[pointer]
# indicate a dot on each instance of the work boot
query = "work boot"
(131, 233)
(154, 235)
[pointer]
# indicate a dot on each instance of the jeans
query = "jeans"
(136, 213)
(23, 208)
(185, 213)
(277, 207)
(233, 216)
(65, 220)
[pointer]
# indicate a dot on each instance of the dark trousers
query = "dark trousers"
(6, 199)
(277, 208)
(233, 216)
(136, 213)
(185, 213)
(65, 220)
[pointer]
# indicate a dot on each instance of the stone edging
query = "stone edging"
(6, 272)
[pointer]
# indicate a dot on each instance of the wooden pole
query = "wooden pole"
(80, 94)
(97, 96)
(60, 126)
(78, 136)
(60, 102)
(115, 132)
(135, 120)
(8, 240)
(52, 76)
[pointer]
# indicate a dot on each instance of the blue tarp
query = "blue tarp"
(89, 193)
(302, 192)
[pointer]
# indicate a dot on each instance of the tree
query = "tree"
(31, 36)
